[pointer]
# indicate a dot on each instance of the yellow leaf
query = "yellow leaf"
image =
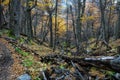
(5, 2)
(112, 7)
(30, 3)
(91, 18)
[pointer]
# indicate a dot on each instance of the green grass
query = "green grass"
(23, 53)
(21, 40)
(10, 34)
(110, 73)
(28, 62)
(37, 78)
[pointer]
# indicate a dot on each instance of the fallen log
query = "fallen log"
(107, 63)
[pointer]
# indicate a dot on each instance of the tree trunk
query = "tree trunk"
(0, 15)
(118, 27)
(29, 25)
(35, 24)
(55, 24)
(103, 22)
(78, 26)
(67, 30)
(11, 20)
(15, 17)
(51, 30)
(29, 20)
(73, 24)
(79, 23)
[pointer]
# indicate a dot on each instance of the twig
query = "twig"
(61, 77)
(82, 78)
(44, 75)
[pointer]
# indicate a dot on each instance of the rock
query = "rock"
(5, 62)
(5, 56)
(24, 77)
(117, 76)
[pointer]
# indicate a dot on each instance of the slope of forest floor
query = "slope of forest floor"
(38, 62)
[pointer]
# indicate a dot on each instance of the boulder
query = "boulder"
(5, 62)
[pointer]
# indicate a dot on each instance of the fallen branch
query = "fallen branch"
(44, 76)
(80, 75)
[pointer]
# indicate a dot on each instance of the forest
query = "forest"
(59, 39)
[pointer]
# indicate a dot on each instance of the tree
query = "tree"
(73, 24)
(15, 17)
(103, 21)
(29, 19)
(0, 14)
(118, 25)
(3, 22)
(56, 8)
(49, 6)
(80, 13)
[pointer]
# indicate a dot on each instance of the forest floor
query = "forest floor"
(40, 62)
